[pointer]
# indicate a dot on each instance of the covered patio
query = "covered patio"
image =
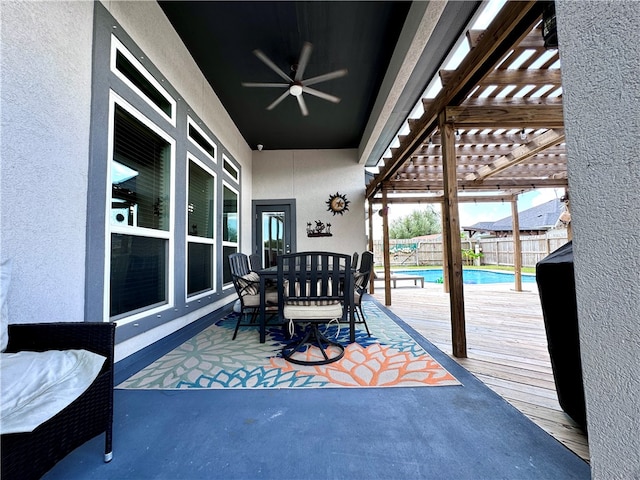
(75, 85)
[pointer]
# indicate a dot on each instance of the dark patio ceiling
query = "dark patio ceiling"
(359, 36)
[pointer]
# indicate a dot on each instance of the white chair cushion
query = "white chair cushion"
(35, 386)
(312, 312)
(254, 300)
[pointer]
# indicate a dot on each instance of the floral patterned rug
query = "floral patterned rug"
(212, 360)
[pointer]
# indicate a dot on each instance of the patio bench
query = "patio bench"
(395, 277)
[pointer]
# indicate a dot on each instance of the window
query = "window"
(140, 212)
(200, 228)
(132, 72)
(230, 225)
(152, 167)
(201, 140)
(230, 169)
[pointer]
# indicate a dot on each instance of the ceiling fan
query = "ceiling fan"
(296, 85)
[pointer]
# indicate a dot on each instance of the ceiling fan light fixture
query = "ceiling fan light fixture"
(296, 84)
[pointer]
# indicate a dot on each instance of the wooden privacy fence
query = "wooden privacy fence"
(495, 251)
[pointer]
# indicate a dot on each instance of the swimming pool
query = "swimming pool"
(470, 276)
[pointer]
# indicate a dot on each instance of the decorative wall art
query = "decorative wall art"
(320, 230)
(338, 204)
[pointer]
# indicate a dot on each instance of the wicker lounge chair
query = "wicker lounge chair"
(31, 455)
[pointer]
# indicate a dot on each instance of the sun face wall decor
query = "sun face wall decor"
(337, 204)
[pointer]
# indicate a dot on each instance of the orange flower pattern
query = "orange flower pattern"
(374, 366)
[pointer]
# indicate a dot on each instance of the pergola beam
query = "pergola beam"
(547, 139)
(532, 116)
(440, 198)
(471, 186)
(502, 78)
(534, 40)
(480, 150)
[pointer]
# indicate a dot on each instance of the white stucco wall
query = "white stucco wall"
(600, 54)
(310, 176)
(45, 109)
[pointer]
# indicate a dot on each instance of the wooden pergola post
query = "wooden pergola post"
(385, 248)
(452, 239)
(517, 247)
(371, 278)
(445, 262)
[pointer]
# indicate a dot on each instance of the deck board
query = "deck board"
(506, 347)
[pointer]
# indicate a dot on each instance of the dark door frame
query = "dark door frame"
(290, 202)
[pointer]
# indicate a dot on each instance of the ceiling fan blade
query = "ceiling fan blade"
(278, 100)
(254, 84)
(317, 93)
(325, 77)
(303, 61)
(303, 105)
(271, 65)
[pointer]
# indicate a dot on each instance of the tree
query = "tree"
(417, 223)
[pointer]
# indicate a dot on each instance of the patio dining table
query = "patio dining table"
(271, 273)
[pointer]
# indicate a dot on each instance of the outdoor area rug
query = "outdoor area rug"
(212, 360)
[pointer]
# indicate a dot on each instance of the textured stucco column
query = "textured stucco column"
(600, 54)
(45, 65)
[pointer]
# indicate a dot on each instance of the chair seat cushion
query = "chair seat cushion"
(270, 296)
(312, 312)
(36, 386)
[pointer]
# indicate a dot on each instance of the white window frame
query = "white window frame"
(226, 161)
(117, 46)
(198, 239)
(192, 123)
(110, 229)
(226, 243)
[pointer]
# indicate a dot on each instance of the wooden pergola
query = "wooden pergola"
(494, 131)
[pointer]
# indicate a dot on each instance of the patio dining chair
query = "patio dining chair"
(361, 285)
(247, 285)
(310, 294)
(255, 262)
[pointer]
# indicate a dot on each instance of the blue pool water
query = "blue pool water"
(471, 276)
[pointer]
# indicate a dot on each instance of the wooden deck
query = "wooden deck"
(506, 347)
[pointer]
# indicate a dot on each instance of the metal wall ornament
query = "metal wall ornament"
(337, 204)
(320, 230)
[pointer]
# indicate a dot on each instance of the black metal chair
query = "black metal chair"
(255, 262)
(247, 285)
(354, 260)
(311, 293)
(361, 285)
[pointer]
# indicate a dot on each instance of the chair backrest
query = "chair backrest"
(245, 281)
(239, 264)
(255, 262)
(314, 278)
(354, 260)
(364, 272)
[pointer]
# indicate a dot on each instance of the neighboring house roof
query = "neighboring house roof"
(540, 217)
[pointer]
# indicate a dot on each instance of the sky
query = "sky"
(471, 213)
